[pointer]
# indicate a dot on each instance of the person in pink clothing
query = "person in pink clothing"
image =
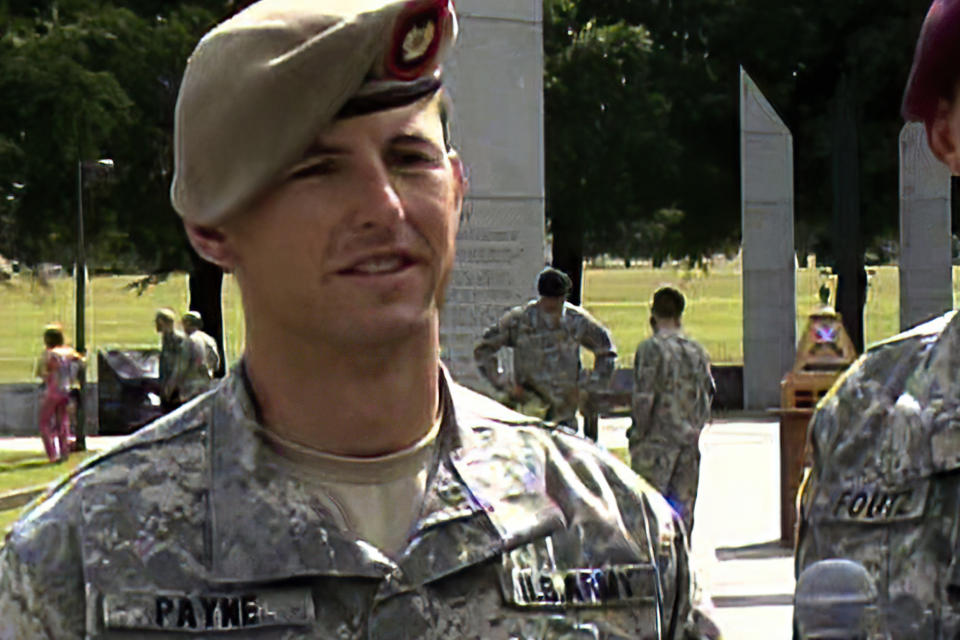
(57, 367)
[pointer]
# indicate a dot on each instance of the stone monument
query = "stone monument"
(496, 80)
(926, 277)
(769, 261)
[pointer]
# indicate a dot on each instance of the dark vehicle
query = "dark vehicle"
(128, 389)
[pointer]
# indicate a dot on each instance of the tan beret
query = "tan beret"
(259, 88)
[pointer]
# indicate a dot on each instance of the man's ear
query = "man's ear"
(212, 244)
(943, 134)
(459, 174)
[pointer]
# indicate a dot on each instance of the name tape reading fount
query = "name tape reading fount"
(878, 504)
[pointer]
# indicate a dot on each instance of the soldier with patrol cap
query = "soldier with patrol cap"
(884, 489)
(203, 342)
(175, 359)
(338, 483)
(546, 335)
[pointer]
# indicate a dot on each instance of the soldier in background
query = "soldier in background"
(672, 393)
(176, 359)
(192, 323)
(338, 482)
(197, 375)
(546, 335)
(884, 488)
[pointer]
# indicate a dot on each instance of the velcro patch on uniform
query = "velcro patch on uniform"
(877, 504)
(202, 613)
(617, 585)
(945, 449)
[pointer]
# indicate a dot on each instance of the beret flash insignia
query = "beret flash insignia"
(417, 38)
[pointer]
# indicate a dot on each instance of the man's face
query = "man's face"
(357, 241)
(944, 132)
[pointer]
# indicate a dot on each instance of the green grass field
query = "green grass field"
(117, 316)
(620, 299)
(20, 471)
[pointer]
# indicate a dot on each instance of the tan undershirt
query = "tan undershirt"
(377, 498)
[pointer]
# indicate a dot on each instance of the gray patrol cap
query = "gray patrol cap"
(259, 88)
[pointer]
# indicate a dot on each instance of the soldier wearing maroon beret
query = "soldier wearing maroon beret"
(933, 90)
(884, 488)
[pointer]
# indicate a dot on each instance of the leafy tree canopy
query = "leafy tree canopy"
(676, 140)
(83, 80)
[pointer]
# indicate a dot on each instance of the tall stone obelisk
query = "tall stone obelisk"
(926, 276)
(496, 81)
(769, 262)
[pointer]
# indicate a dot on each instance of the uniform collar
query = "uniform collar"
(480, 499)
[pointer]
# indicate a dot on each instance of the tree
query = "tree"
(607, 158)
(798, 51)
(81, 80)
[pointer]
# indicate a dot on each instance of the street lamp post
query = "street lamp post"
(100, 167)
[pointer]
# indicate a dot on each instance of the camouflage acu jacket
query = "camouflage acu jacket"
(546, 352)
(884, 489)
(194, 525)
(672, 390)
(176, 356)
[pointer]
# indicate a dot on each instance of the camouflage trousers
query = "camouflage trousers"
(674, 470)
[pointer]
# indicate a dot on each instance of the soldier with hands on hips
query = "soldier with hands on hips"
(546, 335)
(672, 392)
(338, 483)
(884, 488)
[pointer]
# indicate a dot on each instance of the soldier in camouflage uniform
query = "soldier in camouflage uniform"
(176, 358)
(337, 484)
(192, 323)
(546, 335)
(672, 392)
(884, 489)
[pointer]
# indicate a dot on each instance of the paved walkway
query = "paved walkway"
(94, 443)
(738, 506)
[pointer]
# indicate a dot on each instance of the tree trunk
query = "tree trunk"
(206, 280)
(847, 243)
(568, 257)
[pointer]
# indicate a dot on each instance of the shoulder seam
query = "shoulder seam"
(122, 448)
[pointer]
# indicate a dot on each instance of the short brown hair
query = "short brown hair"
(53, 336)
(668, 303)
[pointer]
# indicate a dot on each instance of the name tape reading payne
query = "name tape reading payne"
(208, 612)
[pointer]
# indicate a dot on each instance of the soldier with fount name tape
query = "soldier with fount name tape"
(338, 483)
(884, 489)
